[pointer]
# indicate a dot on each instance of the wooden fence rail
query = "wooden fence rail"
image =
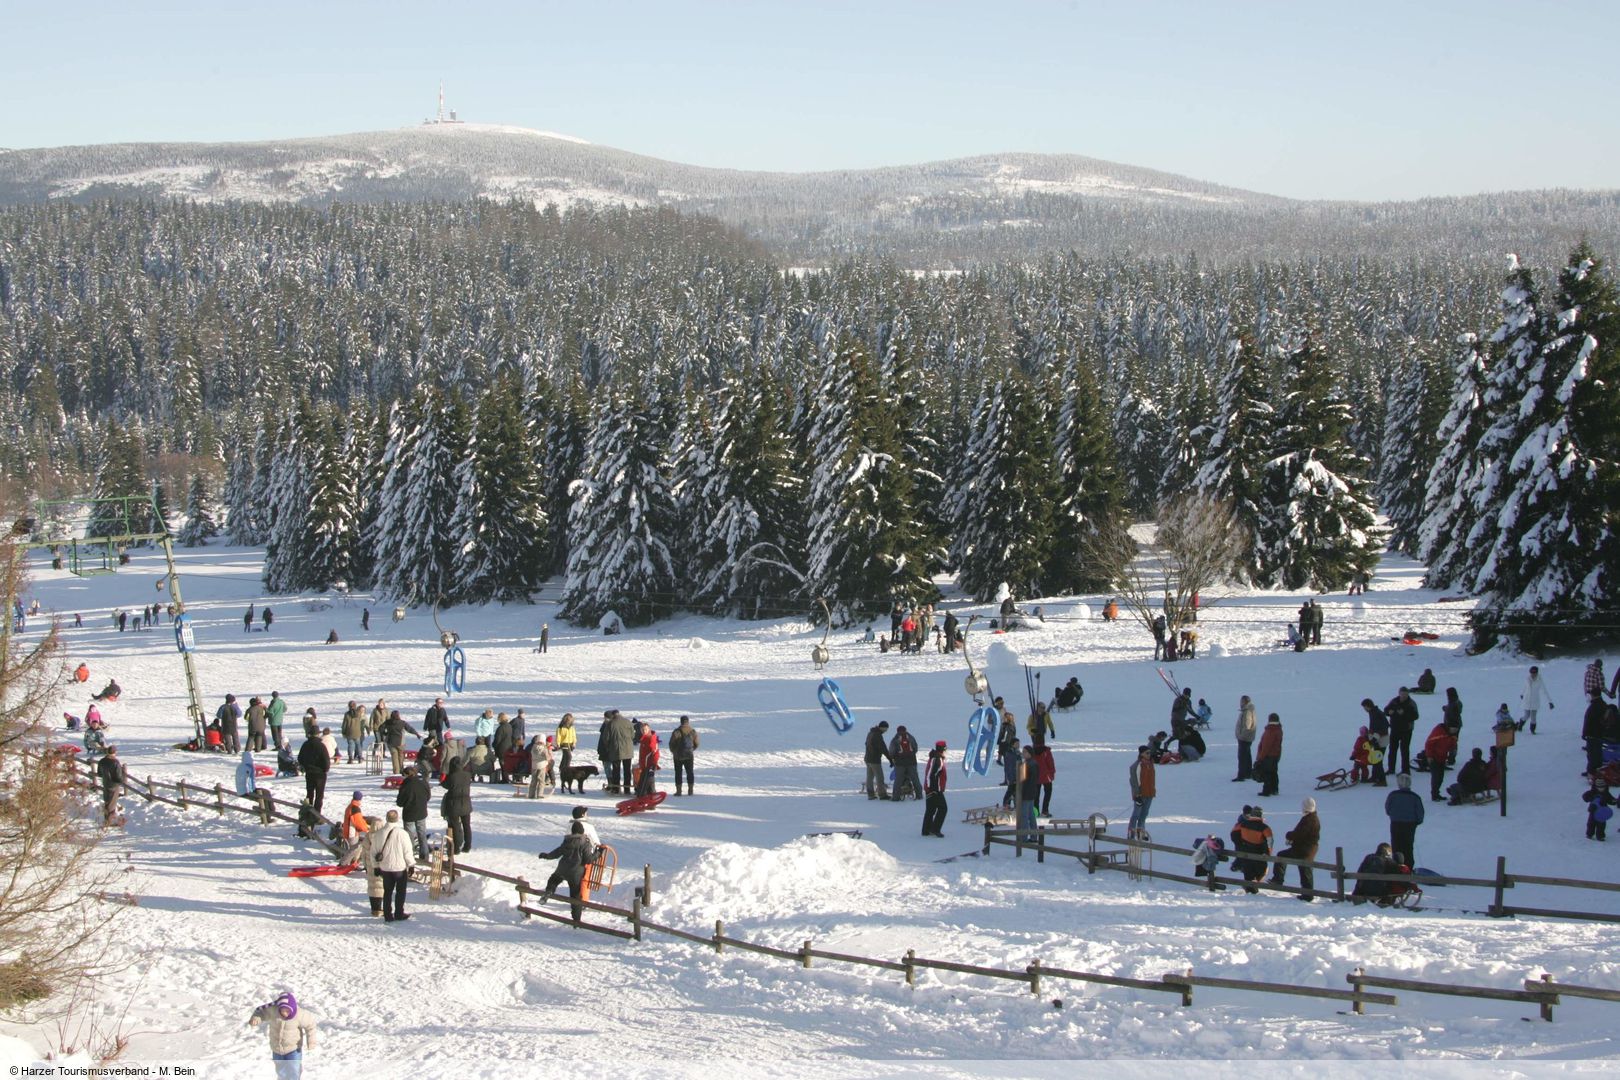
(1545, 993)
(1543, 998)
(1101, 858)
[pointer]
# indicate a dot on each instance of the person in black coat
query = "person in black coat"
(1451, 714)
(1592, 733)
(436, 721)
(877, 751)
(574, 856)
(315, 763)
(392, 734)
(113, 779)
(501, 745)
(456, 807)
(1180, 709)
(1381, 861)
(1470, 778)
(1190, 745)
(1378, 730)
(934, 776)
(1402, 713)
(412, 800)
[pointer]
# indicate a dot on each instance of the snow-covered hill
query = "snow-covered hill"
(498, 161)
(935, 215)
(467, 989)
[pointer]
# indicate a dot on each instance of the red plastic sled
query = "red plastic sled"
(640, 803)
(392, 782)
(66, 748)
(340, 870)
(263, 770)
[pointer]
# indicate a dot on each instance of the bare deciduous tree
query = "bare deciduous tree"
(1200, 542)
(50, 875)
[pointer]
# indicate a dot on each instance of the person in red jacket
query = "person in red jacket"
(934, 775)
(647, 761)
(1268, 754)
(1046, 767)
(1438, 748)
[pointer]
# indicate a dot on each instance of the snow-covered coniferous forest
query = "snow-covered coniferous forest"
(453, 404)
(701, 426)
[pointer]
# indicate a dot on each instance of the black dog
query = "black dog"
(576, 775)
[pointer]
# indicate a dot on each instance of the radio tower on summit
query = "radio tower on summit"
(445, 116)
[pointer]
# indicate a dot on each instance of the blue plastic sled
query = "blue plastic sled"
(983, 726)
(455, 670)
(834, 705)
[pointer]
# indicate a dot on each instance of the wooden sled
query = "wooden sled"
(538, 786)
(989, 815)
(1408, 896)
(601, 873)
(1337, 780)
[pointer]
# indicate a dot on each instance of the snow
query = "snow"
(468, 989)
(497, 129)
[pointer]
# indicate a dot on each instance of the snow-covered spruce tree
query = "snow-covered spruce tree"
(120, 473)
(1002, 506)
(691, 473)
(499, 521)
(1511, 401)
(562, 440)
(1412, 406)
(1238, 442)
(621, 523)
(1319, 529)
(748, 550)
(415, 547)
(865, 548)
(202, 513)
(247, 520)
(334, 504)
(1556, 562)
(289, 545)
(924, 426)
(1140, 433)
(1184, 450)
(1089, 531)
(1447, 517)
(364, 442)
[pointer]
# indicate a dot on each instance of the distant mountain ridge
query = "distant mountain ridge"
(936, 213)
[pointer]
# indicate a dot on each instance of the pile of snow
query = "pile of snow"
(812, 876)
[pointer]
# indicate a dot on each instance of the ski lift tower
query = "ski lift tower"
(108, 527)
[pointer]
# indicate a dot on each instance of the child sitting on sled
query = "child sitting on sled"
(1365, 754)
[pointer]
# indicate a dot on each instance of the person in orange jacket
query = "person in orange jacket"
(354, 824)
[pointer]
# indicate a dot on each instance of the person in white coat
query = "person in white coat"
(247, 776)
(1247, 728)
(394, 856)
(1535, 692)
(291, 1030)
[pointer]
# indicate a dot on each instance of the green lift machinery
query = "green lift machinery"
(99, 545)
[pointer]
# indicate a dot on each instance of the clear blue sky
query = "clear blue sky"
(1356, 99)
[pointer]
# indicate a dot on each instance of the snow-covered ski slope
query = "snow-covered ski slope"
(466, 988)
